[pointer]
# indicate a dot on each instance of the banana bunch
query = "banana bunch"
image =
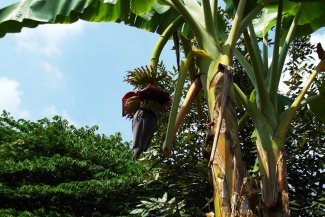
(141, 77)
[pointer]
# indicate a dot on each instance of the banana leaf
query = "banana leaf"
(148, 15)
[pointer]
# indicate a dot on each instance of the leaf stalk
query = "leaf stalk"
(163, 39)
(291, 111)
(275, 60)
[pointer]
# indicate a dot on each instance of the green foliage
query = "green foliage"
(310, 20)
(50, 168)
(300, 52)
(148, 15)
(31, 159)
(39, 213)
(305, 153)
(160, 207)
(299, 68)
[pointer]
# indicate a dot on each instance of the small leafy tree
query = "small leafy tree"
(304, 152)
(212, 55)
(51, 168)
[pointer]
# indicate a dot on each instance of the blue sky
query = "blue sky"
(76, 71)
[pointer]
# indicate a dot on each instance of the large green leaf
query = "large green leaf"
(311, 19)
(31, 13)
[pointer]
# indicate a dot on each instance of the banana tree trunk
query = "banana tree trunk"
(273, 176)
(227, 167)
(234, 194)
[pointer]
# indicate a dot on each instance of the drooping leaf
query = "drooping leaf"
(311, 19)
(31, 13)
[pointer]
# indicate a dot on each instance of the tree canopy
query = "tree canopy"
(51, 168)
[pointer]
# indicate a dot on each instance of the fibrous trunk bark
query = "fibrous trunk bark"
(227, 167)
(234, 194)
(273, 177)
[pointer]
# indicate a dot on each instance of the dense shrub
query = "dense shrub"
(51, 168)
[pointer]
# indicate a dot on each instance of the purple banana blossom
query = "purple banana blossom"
(144, 125)
(143, 105)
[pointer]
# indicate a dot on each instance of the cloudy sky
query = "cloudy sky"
(76, 71)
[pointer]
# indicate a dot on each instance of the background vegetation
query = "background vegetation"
(50, 168)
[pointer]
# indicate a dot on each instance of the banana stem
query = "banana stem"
(195, 87)
(285, 122)
(162, 41)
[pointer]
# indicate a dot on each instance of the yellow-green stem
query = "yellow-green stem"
(290, 112)
(165, 36)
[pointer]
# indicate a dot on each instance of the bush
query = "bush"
(50, 168)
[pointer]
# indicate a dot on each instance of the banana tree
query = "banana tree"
(209, 51)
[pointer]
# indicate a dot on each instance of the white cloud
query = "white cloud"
(10, 98)
(53, 73)
(51, 111)
(46, 39)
